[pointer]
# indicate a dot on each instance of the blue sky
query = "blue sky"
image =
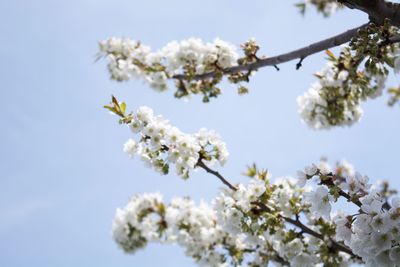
(63, 172)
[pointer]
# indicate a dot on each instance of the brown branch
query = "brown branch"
(301, 53)
(305, 229)
(329, 183)
(347, 196)
(201, 164)
(377, 10)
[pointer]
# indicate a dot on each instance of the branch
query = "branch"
(296, 222)
(305, 229)
(377, 10)
(301, 53)
(201, 164)
(329, 183)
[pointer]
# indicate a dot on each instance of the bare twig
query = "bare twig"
(201, 164)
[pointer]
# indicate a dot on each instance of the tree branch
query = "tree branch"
(301, 53)
(377, 10)
(355, 200)
(305, 229)
(201, 164)
(329, 183)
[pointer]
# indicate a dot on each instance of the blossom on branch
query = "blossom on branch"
(130, 59)
(343, 84)
(160, 144)
(264, 221)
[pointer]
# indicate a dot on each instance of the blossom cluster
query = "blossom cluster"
(373, 232)
(147, 219)
(342, 85)
(287, 222)
(160, 144)
(200, 231)
(130, 59)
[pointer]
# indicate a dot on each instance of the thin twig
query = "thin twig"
(201, 164)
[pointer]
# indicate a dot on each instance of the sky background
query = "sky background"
(63, 172)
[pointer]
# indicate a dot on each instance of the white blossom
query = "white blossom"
(129, 59)
(319, 199)
(161, 144)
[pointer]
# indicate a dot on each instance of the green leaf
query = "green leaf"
(251, 171)
(123, 107)
(114, 101)
(330, 54)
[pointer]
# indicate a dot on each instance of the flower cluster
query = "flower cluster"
(285, 221)
(130, 59)
(147, 219)
(373, 232)
(326, 7)
(199, 230)
(281, 222)
(160, 144)
(342, 85)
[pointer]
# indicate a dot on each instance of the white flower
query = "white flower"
(311, 170)
(362, 223)
(130, 147)
(302, 260)
(381, 223)
(343, 231)
(347, 168)
(320, 202)
(256, 187)
(356, 183)
(381, 242)
(371, 203)
(293, 248)
(324, 167)
(301, 178)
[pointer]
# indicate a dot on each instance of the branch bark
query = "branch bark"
(377, 10)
